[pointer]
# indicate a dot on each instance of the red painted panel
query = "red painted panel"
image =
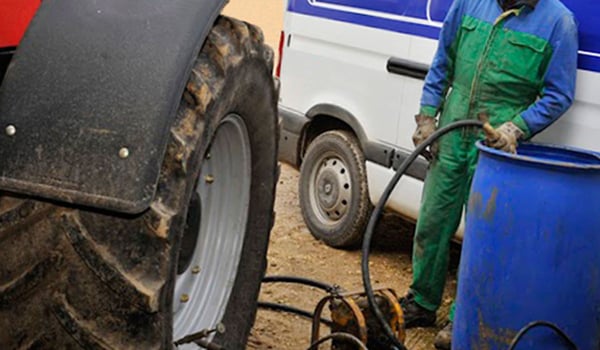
(15, 16)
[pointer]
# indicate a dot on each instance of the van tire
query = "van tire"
(334, 196)
(73, 277)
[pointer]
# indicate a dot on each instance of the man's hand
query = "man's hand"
(504, 138)
(425, 127)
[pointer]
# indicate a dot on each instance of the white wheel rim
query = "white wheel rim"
(330, 189)
(202, 291)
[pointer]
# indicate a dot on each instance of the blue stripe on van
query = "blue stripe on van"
(584, 10)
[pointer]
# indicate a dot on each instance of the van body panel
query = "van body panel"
(338, 52)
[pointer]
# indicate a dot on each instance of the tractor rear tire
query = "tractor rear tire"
(73, 277)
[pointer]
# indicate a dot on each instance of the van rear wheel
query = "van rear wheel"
(334, 196)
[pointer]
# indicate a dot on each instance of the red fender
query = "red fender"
(15, 16)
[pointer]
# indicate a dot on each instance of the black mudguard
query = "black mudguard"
(90, 82)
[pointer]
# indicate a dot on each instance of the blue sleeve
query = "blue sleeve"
(559, 83)
(440, 73)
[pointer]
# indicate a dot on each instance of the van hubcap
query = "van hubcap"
(330, 191)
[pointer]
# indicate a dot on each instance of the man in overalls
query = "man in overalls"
(512, 62)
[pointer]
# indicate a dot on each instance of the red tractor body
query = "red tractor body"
(15, 16)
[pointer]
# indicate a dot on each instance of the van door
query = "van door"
(423, 44)
(336, 52)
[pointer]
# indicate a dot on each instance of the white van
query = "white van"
(351, 76)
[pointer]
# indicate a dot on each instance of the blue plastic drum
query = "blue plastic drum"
(531, 250)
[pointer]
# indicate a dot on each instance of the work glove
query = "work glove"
(426, 126)
(505, 137)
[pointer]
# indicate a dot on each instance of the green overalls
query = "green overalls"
(518, 66)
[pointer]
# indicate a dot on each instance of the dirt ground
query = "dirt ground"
(293, 251)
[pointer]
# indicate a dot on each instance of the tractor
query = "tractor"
(138, 147)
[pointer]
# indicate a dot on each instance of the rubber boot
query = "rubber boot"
(414, 314)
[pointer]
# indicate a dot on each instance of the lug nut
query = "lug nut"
(124, 152)
(209, 179)
(184, 298)
(196, 269)
(11, 130)
(220, 328)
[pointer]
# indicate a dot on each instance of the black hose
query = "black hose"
(292, 310)
(377, 213)
(341, 336)
(300, 280)
(535, 324)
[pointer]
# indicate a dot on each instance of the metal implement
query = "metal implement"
(350, 313)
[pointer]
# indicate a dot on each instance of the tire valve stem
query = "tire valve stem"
(199, 338)
(184, 298)
(196, 270)
(209, 179)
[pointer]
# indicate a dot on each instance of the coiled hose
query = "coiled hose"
(300, 280)
(565, 338)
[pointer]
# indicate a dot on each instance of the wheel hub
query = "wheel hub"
(190, 234)
(328, 190)
(332, 188)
